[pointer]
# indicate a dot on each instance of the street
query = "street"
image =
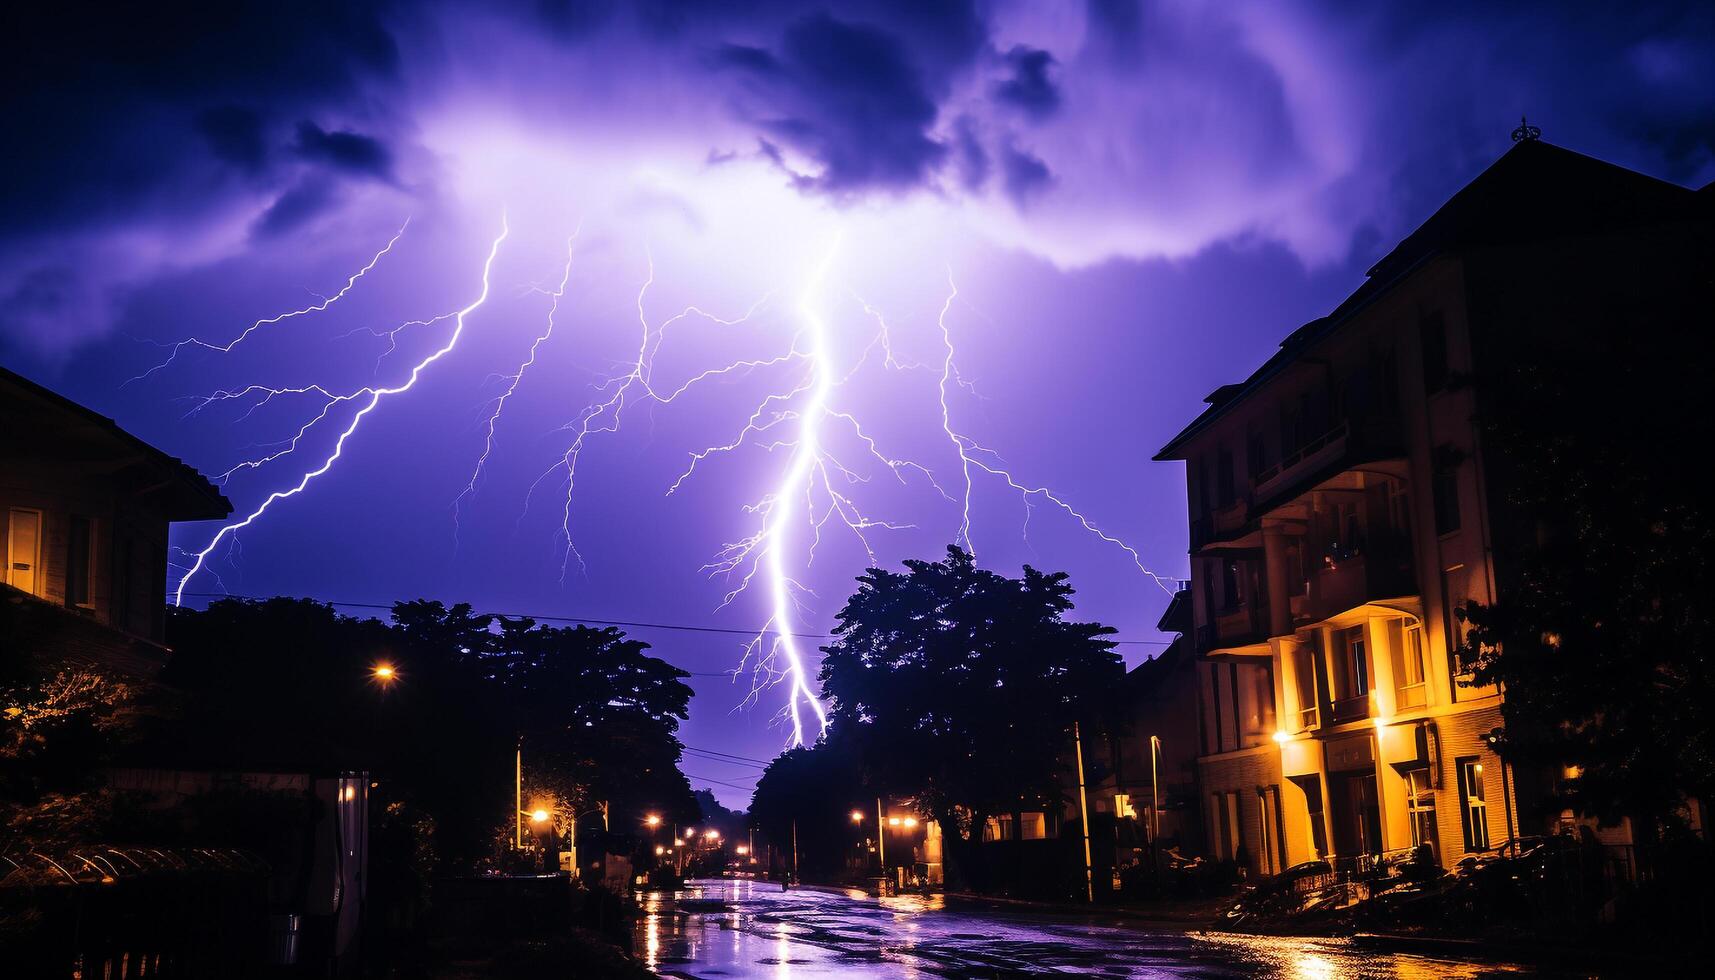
(728, 928)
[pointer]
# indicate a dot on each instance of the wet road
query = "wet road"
(752, 929)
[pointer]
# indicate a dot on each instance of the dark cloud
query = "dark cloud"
(309, 197)
(1022, 174)
(850, 97)
(1030, 89)
(113, 108)
(971, 159)
(344, 150)
(234, 134)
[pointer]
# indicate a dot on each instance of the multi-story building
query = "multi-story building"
(1343, 509)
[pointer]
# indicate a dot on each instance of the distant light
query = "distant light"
(652, 820)
(857, 816)
(713, 835)
(659, 850)
(742, 850)
(539, 816)
(910, 822)
(893, 821)
(384, 672)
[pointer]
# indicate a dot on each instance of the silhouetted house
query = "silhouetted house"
(1155, 748)
(86, 509)
(1343, 507)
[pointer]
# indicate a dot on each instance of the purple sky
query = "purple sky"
(1135, 202)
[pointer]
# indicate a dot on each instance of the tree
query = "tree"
(1596, 406)
(814, 787)
(959, 687)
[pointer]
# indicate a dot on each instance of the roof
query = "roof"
(1535, 191)
(62, 428)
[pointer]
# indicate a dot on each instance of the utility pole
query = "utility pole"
(880, 837)
(1154, 790)
(795, 847)
(1084, 810)
(518, 797)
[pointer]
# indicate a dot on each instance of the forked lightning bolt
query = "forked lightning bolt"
(370, 398)
(326, 301)
(828, 457)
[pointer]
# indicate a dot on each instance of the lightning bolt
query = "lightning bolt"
(512, 382)
(829, 455)
(326, 301)
(371, 398)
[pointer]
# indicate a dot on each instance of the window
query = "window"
(1257, 455)
(1433, 334)
(1454, 582)
(79, 541)
(24, 551)
(1215, 703)
(1203, 485)
(1227, 826)
(1273, 860)
(1352, 658)
(1231, 595)
(1224, 488)
(1420, 810)
(1304, 684)
(1262, 700)
(1446, 489)
(1408, 672)
(1473, 808)
(1399, 511)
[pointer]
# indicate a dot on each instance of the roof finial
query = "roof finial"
(1526, 133)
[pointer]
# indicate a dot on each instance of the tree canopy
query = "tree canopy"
(959, 686)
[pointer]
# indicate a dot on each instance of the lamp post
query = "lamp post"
(1084, 811)
(1154, 790)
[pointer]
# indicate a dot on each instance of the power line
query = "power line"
(720, 782)
(730, 755)
(629, 624)
(702, 757)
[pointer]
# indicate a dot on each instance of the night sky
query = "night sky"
(1134, 202)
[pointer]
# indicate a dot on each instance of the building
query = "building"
(1343, 508)
(86, 507)
(1151, 783)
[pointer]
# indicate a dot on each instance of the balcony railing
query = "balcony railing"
(1352, 708)
(1412, 695)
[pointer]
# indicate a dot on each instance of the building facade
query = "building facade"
(85, 507)
(1342, 510)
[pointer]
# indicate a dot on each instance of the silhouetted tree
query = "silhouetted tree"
(816, 786)
(1596, 411)
(959, 687)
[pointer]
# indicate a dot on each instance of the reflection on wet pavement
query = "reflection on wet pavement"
(742, 928)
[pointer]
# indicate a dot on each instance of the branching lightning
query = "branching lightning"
(827, 455)
(326, 301)
(370, 398)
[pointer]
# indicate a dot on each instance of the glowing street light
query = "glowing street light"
(742, 850)
(857, 816)
(653, 820)
(893, 821)
(909, 822)
(539, 816)
(659, 850)
(712, 835)
(384, 672)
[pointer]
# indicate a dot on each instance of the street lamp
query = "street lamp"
(384, 672)
(540, 816)
(653, 820)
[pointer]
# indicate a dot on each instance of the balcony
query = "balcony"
(1346, 444)
(1353, 708)
(1348, 579)
(1245, 625)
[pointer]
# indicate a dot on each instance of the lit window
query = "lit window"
(1473, 807)
(1420, 809)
